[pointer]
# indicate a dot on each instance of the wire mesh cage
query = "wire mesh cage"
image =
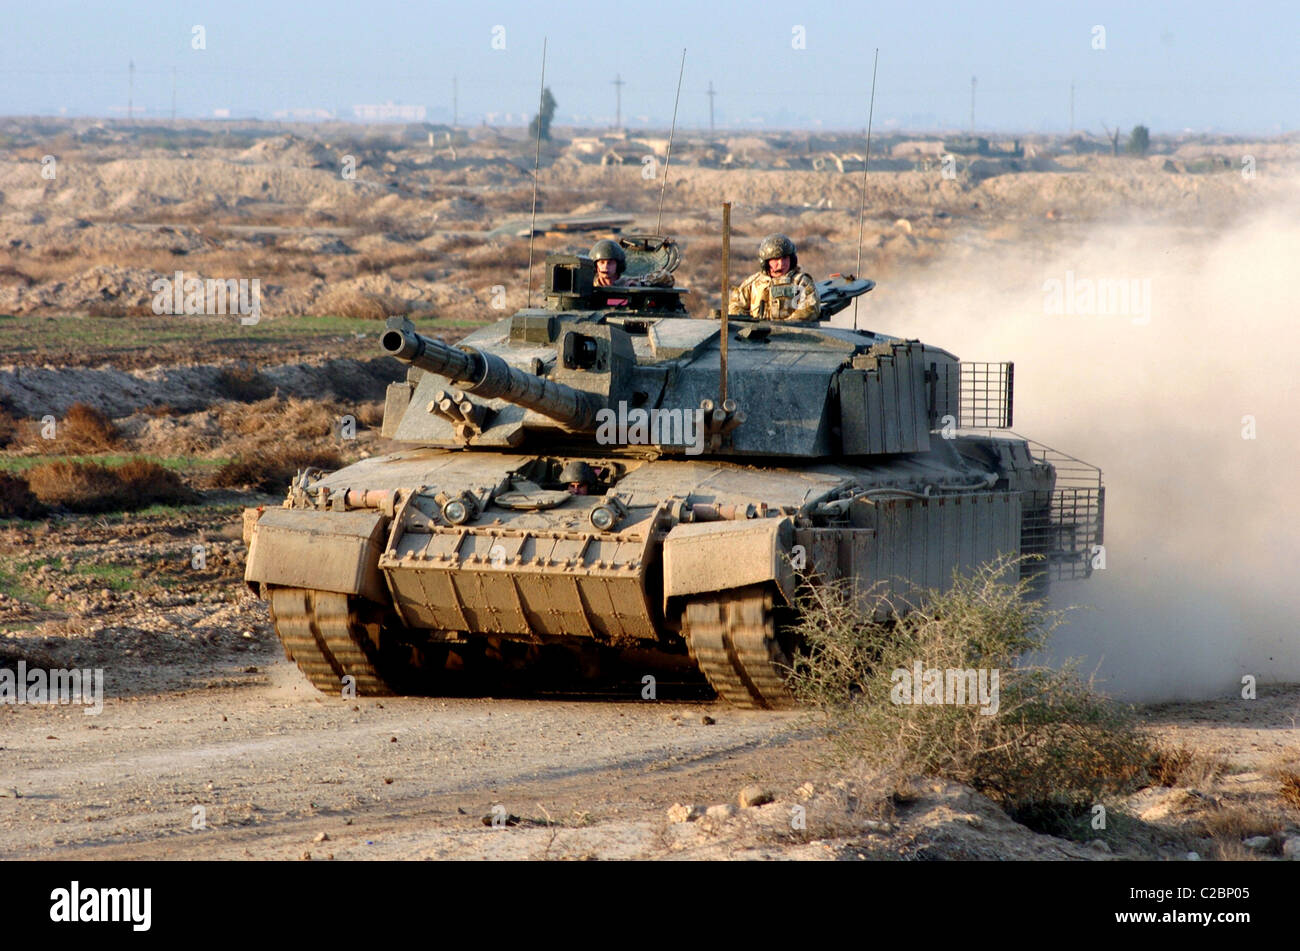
(986, 395)
(1064, 526)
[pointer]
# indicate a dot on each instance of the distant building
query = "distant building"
(389, 112)
(302, 114)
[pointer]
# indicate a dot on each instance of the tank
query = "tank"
(603, 479)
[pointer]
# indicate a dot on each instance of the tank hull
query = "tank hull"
(371, 582)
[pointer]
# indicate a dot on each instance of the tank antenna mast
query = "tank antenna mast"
(671, 132)
(726, 299)
(537, 161)
(866, 160)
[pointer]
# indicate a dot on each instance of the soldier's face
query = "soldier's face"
(778, 266)
(606, 272)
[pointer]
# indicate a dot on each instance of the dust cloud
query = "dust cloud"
(1202, 524)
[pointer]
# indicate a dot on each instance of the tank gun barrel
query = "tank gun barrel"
(488, 376)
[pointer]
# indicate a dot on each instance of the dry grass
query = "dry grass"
(9, 428)
(1233, 822)
(147, 482)
(360, 305)
(1053, 746)
(272, 471)
(82, 429)
(1285, 768)
(16, 498)
(113, 308)
(275, 419)
(1290, 788)
(380, 262)
(371, 414)
(90, 487)
(244, 384)
(86, 429)
(1180, 766)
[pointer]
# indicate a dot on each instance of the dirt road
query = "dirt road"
(260, 766)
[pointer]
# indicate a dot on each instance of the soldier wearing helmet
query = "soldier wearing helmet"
(610, 262)
(579, 477)
(779, 290)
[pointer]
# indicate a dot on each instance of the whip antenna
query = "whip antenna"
(671, 132)
(537, 161)
(866, 160)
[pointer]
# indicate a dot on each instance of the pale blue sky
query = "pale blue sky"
(1200, 65)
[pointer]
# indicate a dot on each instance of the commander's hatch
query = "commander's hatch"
(650, 255)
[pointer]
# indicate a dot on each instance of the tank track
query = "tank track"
(732, 637)
(322, 634)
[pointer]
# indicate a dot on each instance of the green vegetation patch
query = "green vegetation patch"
(945, 690)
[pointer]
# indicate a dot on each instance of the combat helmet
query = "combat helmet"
(605, 250)
(577, 471)
(777, 245)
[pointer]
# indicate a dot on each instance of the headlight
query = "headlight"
(456, 512)
(603, 517)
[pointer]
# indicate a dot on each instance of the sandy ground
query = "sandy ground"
(248, 761)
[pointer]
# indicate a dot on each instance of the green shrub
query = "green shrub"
(1053, 746)
(1139, 140)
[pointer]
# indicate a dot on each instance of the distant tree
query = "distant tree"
(1139, 140)
(1114, 139)
(545, 116)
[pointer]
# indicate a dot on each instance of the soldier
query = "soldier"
(778, 290)
(610, 261)
(579, 477)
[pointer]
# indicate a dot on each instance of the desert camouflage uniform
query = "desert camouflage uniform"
(793, 297)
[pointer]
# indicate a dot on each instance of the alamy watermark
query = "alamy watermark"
(195, 295)
(37, 685)
(952, 686)
(651, 427)
(77, 904)
(1121, 297)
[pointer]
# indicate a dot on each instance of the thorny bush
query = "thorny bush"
(1054, 742)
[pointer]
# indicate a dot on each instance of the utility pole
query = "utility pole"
(173, 95)
(618, 101)
(455, 104)
(130, 90)
(972, 105)
(711, 94)
(1071, 106)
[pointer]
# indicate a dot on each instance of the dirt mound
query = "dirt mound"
(459, 209)
(933, 819)
(123, 290)
(38, 391)
(288, 149)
